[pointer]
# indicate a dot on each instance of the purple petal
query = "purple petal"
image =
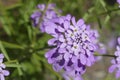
(6, 73)
(88, 62)
(60, 29)
(118, 74)
(67, 56)
(66, 25)
(50, 52)
(41, 7)
(80, 22)
(2, 77)
(50, 28)
(1, 56)
(51, 41)
(112, 68)
(66, 77)
(73, 21)
(83, 59)
(63, 45)
(78, 78)
(118, 1)
(56, 67)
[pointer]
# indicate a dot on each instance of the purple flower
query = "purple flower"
(75, 45)
(38, 14)
(118, 1)
(101, 48)
(116, 61)
(2, 67)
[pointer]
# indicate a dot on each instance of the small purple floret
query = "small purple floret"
(116, 61)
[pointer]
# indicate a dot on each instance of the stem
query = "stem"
(105, 55)
(109, 11)
(40, 20)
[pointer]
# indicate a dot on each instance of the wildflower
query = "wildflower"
(118, 1)
(116, 61)
(75, 45)
(39, 18)
(2, 67)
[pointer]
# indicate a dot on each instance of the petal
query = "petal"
(66, 77)
(118, 74)
(68, 17)
(2, 77)
(50, 52)
(119, 40)
(83, 58)
(41, 7)
(60, 29)
(73, 21)
(74, 59)
(56, 67)
(67, 56)
(112, 68)
(80, 22)
(66, 25)
(50, 28)
(1, 56)
(51, 41)
(61, 38)
(63, 45)
(51, 61)
(78, 78)
(2, 65)
(88, 63)
(92, 59)
(6, 73)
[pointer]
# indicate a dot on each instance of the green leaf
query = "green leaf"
(4, 51)
(11, 45)
(30, 34)
(5, 27)
(13, 65)
(107, 19)
(99, 22)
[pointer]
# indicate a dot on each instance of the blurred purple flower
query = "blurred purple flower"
(49, 14)
(101, 48)
(116, 61)
(2, 67)
(118, 1)
(75, 45)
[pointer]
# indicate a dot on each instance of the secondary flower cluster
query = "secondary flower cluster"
(75, 44)
(116, 61)
(2, 67)
(118, 1)
(40, 17)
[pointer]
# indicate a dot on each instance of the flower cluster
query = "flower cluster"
(2, 67)
(75, 44)
(116, 61)
(38, 16)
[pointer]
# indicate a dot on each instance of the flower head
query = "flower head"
(75, 45)
(116, 61)
(39, 18)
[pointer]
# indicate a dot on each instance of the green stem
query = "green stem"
(109, 11)
(105, 55)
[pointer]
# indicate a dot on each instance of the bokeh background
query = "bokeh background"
(25, 46)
